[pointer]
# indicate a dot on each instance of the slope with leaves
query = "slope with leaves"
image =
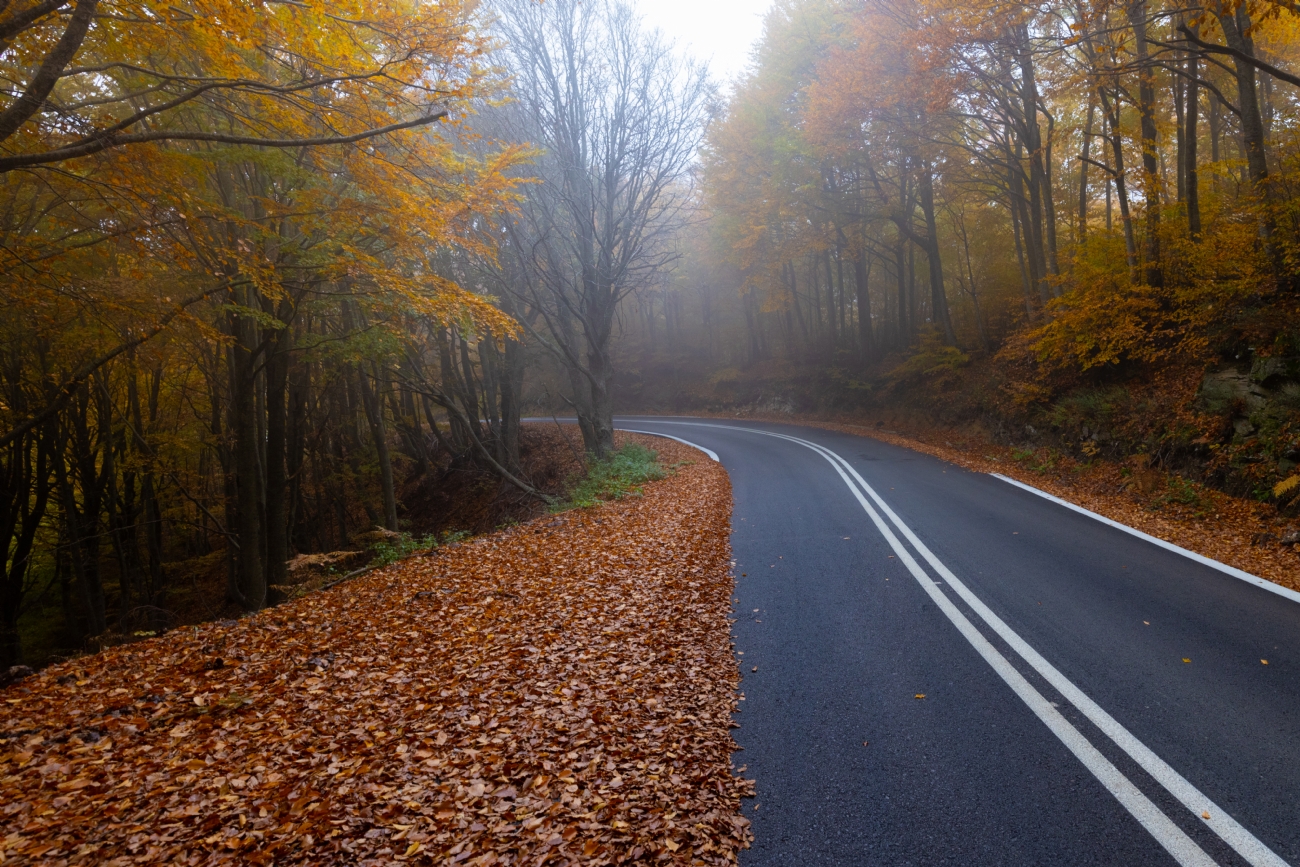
(558, 692)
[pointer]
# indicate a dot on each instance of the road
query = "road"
(954, 670)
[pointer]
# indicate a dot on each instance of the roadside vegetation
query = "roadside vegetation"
(620, 474)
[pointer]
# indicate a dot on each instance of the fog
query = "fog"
(721, 32)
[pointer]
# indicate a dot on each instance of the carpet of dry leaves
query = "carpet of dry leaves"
(557, 693)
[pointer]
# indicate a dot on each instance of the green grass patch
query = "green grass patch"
(406, 545)
(615, 477)
(1038, 460)
(1181, 492)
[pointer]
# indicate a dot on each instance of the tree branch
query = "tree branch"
(1262, 65)
(47, 75)
(103, 142)
(22, 20)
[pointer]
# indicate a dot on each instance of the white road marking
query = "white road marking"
(1169, 835)
(710, 452)
(1285, 592)
(1174, 840)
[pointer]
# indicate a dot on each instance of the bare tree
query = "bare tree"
(617, 117)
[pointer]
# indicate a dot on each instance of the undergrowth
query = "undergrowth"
(615, 477)
(405, 545)
(1038, 460)
(1180, 491)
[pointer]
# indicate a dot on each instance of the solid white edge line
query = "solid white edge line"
(710, 452)
(1174, 840)
(1284, 592)
(1246, 844)
(1262, 583)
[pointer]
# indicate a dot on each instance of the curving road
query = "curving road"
(954, 670)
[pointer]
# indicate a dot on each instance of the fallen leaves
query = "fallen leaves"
(519, 698)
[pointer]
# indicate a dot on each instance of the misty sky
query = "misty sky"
(720, 31)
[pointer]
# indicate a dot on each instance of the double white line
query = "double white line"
(1169, 835)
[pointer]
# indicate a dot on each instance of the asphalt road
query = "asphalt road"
(1088, 696)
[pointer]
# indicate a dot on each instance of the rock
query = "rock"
(1291, 538)
(1269, 372)
(14, 674)
(1243, 427)
(1260, 539)
(1220, 392)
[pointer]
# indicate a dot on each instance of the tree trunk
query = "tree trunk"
(1191, 178)
(938, 294)
(248, 478)
(1033, 143)
(374, 411)
(833, 340)
(900, 269)
(1236, 27)
(1084, 150)
(862, 277)
(1111, 112)
(277, 477)
(1137, 12)
(25, 486)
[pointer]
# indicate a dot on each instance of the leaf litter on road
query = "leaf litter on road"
(557, 693)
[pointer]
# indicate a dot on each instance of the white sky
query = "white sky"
(719, 31)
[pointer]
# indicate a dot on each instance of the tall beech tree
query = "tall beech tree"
(617, 117)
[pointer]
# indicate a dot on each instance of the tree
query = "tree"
(617, 118)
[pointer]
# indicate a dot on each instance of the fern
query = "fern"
(1287, 487)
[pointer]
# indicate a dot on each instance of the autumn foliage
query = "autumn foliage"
(561, 691)
(222, 229)
(989, 213)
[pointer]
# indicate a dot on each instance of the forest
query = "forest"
(266, 263)
(1061, 225)
(272, 269)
